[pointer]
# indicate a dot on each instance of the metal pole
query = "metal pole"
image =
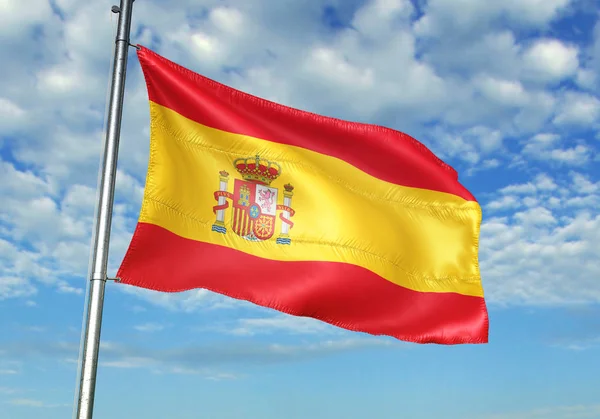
(89, 359)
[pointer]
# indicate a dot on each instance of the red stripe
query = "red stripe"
(236, 216)
(341, 294)
(381, 152)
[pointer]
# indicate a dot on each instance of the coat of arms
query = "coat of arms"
(255, 206)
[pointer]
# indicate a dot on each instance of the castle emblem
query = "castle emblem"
(255, 207)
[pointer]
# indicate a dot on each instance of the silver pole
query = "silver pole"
(108, 170)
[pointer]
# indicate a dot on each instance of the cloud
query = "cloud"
(550, 60)
(586, 78)
(11, 115)
(593, 52)
(43, 240)
(378, 17)
(12, 287)
(149, 327)
(36, 403)
(16, 19)
(8, 372)
(504, 202)
(549, 147)
(386, 62)
(470, 145)
(249, 353)
(207, 360)
(278, 324)
(579, 344)
(506, 92)
(447, 16)
(557, 412)
(541, 252)
(186, 302)
(227, 19)
(578, 109)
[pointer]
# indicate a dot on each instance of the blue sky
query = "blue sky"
(506, 92)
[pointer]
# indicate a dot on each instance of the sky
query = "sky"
(507, 92)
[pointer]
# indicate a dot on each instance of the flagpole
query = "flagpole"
(91, 339)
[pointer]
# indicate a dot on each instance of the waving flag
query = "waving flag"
(357, 225)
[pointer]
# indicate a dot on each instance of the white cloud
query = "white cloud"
(227, 19)
(573, 155)
(504, 202)
(11, 115)
(56, 234)
(525, 188)
(8, 372)
(149, 327)
(11, 287)
(474, 55)
(535, 12)
(550, 60)
(460, 79)
(535, 217)
(556, 412)
(549, 147)
(578, 109)
(328, 64)
(470, 145)
(207, 360)
(578, 344)
(490, 164)
(544, 182)
(16, 19)
(187, 302)
(65, 288)
(279, 323)
(466, 16)
(21, 184)
(534, 116)
(543, 254)
(128, 187)
(60, 80)
(586, 78)
(506, 92)
(206, 46)
(541, 183)
(36, 403)
(594, 51)
(582, 185)
(377, 17)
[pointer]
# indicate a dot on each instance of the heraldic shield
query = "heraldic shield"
(255, 202)
(254, 210)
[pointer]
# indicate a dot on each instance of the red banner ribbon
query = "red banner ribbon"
(218, 194)
(286, 208)
(282, 218)
(285, 220)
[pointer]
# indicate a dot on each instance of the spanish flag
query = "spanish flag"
(357, 225)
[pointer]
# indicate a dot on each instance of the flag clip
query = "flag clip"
(114, 279)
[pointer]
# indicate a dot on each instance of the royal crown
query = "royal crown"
(257, 170)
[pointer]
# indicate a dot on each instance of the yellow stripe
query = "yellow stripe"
(420, 239)
(245, 225)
